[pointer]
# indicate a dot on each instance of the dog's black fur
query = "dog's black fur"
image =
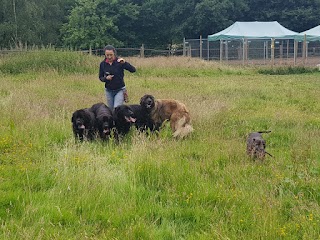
(143, 118)
(104, 120)
(147, 103)
(123, 117)
(83, 124)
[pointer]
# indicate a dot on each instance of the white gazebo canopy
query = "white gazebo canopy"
(254, 30)
(312, 34)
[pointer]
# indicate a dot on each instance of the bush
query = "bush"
(287, 70)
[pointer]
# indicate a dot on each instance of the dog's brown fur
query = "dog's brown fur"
(172, 110)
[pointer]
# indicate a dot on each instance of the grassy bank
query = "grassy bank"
(203, 187)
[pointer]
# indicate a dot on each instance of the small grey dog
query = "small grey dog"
(256, 145)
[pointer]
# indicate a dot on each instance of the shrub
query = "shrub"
(287, 70)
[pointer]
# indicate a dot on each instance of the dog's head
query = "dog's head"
(79, 119)
(124, 113)
(107, 124)
(147, 102)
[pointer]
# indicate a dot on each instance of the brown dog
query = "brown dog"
(176, 112)
(256, 145)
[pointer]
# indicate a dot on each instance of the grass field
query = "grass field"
(155, 187)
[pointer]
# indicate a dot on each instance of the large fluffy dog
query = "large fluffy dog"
(168, 109)
(123, 117)
(143, 118)
(83, 124)
(256, 145)
(104, 120)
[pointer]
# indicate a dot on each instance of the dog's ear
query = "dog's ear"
(152, 97)
(142, 100)
(116, 110)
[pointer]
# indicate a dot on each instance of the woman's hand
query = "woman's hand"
(109, 77)
(121, 60)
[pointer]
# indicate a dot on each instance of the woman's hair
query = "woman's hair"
(110, 47)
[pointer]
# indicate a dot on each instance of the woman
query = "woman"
(112, 74)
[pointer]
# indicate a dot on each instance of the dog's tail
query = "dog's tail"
(182, 128)
(264, 132)
(268, 154)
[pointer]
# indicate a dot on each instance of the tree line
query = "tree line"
(82, 24)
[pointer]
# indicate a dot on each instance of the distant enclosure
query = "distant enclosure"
(254, 51)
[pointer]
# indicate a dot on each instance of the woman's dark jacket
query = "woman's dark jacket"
(117, 70)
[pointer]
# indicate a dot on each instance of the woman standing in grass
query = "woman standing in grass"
(112, 74)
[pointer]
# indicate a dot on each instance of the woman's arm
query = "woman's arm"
(126, 65)
(129, 67)
(102, 76)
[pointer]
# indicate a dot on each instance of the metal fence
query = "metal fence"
(254, 51)
(140, 51)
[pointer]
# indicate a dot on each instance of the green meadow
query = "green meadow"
(156, 187)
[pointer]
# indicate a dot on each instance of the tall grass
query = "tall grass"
(155, 187)
(48, 60)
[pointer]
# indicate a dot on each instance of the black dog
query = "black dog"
(104, 120)
(147, 103)
(143, 119)
(123, 117)
(83, 124)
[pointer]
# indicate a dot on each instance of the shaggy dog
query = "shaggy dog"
(123, 117)
(104, 120)
(256, 145)
(168, 109)
(83, 123)
(143, 119)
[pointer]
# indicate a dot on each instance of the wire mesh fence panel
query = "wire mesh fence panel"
(254, 51)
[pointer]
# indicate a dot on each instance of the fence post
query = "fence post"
(307, 45)
(208, 51)
(227, 50)
(221, 50)
(281, 52)
(304, 48)
(142, 51)
(267, 50)
(272, 51)
(243, 50)
(264, 52)
(200, 47)
(295, 48)
(288, 49)
(184, 47)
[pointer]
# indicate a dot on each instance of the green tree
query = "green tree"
(295, 15)
(33, 22)
(153, 25)
(99, 22)
(212, 16)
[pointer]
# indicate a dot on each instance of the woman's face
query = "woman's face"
(110, 55)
